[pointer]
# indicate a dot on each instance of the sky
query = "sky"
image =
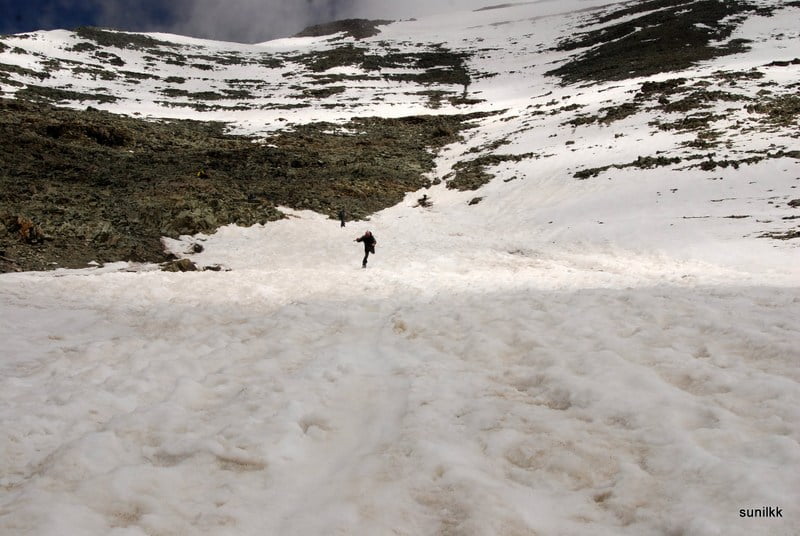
(245, 21)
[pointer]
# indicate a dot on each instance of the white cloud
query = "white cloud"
(416, 8)
(259, 20)
(254, 20)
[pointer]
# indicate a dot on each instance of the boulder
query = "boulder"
(180, 265)
(25, 229)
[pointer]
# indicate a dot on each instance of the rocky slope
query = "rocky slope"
(77, 186)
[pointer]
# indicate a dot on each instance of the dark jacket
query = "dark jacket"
(369, 242)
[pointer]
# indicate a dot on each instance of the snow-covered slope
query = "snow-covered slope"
(261, 87)
(600, 340)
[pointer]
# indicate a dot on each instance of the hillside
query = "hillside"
(585, 326)
(286, 122)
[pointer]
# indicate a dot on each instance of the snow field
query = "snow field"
(151, 403)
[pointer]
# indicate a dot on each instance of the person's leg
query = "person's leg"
(364, 262)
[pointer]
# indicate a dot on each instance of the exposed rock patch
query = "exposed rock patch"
(434, 65)
(356, 28)
(652, 37)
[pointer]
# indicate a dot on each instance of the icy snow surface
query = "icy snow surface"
(452, 387)
(565, 357)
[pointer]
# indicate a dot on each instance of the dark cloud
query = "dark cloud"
(231, 20)
(145, 15)
(23, 16)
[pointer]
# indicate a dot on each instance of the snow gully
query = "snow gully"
(764, 511)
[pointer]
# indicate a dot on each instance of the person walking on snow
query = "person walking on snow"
(369, 246)
(342, 216)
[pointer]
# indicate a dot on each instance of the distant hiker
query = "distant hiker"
(369, 246)
(342, 216)
(423, 201)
